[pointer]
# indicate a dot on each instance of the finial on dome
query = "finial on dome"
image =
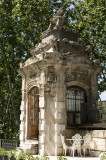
(59, 21)
(59, 12)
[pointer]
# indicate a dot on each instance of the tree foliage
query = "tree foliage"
(21, 25)
(88, 18)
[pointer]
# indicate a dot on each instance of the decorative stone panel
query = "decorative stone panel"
(51, 77)
(50, 89)
(77, 76)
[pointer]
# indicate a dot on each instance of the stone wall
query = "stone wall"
(98, 141)
(55, 114)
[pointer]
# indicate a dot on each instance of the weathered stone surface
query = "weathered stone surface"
(22, 116)
(42, 113)
(42, 139)
(99, 144)
(104, 133)
(41, 152)
(59, 151)
(58, 62)
(59, 127)
(92, 145)
(21, 136)
(22, 105)
(22, 126)
(57, 115)
(98, 133)
(61, 105)
(41, 127)
(41, 102)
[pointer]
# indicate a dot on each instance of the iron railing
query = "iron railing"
(9, 144)
(93, 112)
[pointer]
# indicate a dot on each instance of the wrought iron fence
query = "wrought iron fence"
(9, 144)
(93, 113)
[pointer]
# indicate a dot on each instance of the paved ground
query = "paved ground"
(75, 158)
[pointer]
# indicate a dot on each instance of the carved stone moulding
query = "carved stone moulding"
(41, 91)
(33, 75)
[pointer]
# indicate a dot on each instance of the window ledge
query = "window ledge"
(88, 126)
(93, 126)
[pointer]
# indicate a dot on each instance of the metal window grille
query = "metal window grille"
(75, 97)
(9, 144)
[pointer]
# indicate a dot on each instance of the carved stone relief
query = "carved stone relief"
(50, 89)
(32, 75)
(31, 83)
(50, 74)
(51, 77)
(75, 76)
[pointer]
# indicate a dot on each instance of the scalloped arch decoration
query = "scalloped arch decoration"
(31, 84)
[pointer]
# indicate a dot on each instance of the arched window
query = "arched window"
(75, 96)
(33, 112)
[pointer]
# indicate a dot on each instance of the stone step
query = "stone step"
(29, 147)
(31, 142)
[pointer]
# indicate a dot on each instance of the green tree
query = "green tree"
(88, 19)
(9, 79)
(21, 25)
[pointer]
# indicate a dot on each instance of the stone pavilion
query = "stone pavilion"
(59, 91)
